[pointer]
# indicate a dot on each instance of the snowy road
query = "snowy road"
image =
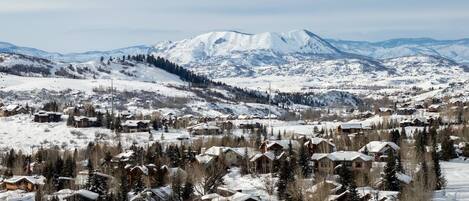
(457, 175)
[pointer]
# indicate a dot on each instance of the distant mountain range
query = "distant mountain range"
(302, 42)
(230, 55)
(457, 50)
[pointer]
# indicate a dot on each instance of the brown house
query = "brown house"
(10, 110)
(319, 145)
(204, 129)
(43, 116)
(132, 126)
(325, 163)
(26, 183)
(84, 122)
(263, 162)
(349, 128)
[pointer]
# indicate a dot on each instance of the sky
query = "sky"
(83, 25)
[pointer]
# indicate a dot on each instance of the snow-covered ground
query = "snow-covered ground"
(456, 173)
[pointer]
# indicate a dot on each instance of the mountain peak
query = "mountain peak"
(230, 43)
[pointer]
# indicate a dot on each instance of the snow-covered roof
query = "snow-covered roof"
(403, 177)
(134, 123)
(204, 126)
(317, 140)
(283, 143)
(79, 118)
(87, 194)
(353, 126)
(242, 197)
(270, 155)
(125, 155)
(142, 168)
(12, 107)
(342, 156)
(204, 159)
(379, 146)
(162, 193)
(36, 179)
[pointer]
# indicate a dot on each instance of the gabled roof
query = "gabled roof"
(283, 143)
(204, 159)
(37, 179)
(79, 118)
(342, 156)
(378, 146)
(270, 155)
(317, 140)
(87, 194)
(135, 122)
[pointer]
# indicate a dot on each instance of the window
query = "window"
(358, 164)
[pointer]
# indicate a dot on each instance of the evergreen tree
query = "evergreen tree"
(123, 187)
(354, 196)
(447, 148)
(345, 177)
(187, 191)
(395, 137)
(285, 177)
(440, 180)
(391, 182)
(70, 120)
(304, 161)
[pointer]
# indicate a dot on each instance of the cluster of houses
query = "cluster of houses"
(13, 109)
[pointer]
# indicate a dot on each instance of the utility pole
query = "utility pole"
(270, 107)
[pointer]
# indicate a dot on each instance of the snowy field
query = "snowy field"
(457, 175)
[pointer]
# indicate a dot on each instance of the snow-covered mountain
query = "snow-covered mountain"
(457, 50)
(235, 48)
(292, 60)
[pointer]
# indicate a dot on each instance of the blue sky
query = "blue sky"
(81, 25)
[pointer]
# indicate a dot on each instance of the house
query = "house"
(43, 116)
(237, 196)
(406, 111)
(250, 126)
(379, 150)
(385, 111)
(156, 194)
(132, 126)
(231, 156)
(263, 162)
(82, 195)
(204, 129)
(82, 177)
(278, 146)
(84, 122)
(434, 108)
(319, 145)
(10, 110)
(325, 164)
(127, 157)
(26, 183)
(349, 128)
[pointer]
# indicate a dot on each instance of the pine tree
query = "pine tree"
(354, 196)
(187, 191)
(345, 177)
(285, 177)
(123, 187)
(245, 162)
(440, 180)
(391, 182)
(70, 120)
(447, 148)
(304, 161)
